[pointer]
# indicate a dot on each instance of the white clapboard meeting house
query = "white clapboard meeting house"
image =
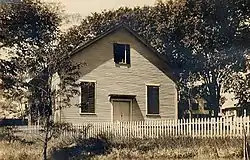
(125, 79)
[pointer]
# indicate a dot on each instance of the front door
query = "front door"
(121, 110)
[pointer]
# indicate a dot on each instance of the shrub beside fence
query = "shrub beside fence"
(202, 127)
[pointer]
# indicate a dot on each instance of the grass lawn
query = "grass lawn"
(107, 149)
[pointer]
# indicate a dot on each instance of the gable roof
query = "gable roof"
(138, 37)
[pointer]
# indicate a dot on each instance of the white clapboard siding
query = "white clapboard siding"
(197, 127)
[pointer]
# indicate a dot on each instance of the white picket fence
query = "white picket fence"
(202, 127)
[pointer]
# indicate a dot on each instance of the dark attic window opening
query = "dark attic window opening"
(121, 53)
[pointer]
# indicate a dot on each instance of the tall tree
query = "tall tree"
(239, 85)
(30, 28)
(26, 22)
(213, 34)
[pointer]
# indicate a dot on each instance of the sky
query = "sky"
(85, 7)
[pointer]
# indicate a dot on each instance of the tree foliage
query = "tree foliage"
(27, 21)
(239, 85)
(30, 29)
(24, 24)
(214, 36)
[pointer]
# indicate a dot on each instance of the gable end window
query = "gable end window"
(153, 100)
(87, 97)
(121, 53)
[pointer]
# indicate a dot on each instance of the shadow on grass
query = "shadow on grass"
(84, 149)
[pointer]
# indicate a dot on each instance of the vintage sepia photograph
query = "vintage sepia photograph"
(124, 79)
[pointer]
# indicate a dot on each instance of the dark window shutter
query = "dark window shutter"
(84, 97)
(121, 52)
(115, 50)
(128, 53)
(91, 98)
(153, 99)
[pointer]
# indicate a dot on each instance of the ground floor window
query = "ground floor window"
(87, 97)
(153, 99)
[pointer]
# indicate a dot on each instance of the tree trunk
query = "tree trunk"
(214, 90)
(45, 150)
(45, 144)
(216, 112)
(48, 114)
(215, 104)
(218, 97)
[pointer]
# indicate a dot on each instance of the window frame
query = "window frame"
(80, 110)
(146, 95)
(125, 54)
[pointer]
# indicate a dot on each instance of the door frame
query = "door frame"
(119, 99)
